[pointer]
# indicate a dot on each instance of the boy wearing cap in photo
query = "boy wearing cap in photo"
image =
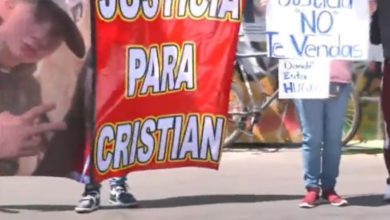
(30, 30)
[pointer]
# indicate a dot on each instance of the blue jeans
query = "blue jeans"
(321, 124)
(116, 181)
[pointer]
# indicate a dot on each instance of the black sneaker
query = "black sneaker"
(119, 196)
(89, 202)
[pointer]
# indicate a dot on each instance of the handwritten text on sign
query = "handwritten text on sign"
(334, 29)
(303, 79)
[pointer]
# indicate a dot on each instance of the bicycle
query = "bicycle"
(242, 117)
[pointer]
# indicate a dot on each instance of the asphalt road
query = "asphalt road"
(249, 185)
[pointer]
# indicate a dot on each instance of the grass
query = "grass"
(367, 147)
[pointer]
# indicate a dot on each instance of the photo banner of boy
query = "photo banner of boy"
(163, 75)
(42, 124)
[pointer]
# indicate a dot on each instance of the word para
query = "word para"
(160, 70)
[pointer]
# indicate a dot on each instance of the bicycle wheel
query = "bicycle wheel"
(351, 119)
(235, 122)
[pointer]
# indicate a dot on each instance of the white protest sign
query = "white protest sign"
(331, 29)
(304, 79)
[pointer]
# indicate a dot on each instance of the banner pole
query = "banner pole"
(93, 92)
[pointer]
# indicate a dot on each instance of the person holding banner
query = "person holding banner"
(321, 123)
(90, 200)
(380, 34)
(66, 147)
(29, 32)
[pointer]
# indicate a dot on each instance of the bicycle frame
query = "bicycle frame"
(246, 64)
(252, 113)
(255, 110)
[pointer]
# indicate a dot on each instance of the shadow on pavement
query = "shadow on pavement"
(163, 203)
(11, 209)
(8, 211)
(361, 200)
(367, 200)
(212, 199)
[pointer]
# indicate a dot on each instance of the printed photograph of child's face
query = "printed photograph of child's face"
(42, 50)
(29, 30)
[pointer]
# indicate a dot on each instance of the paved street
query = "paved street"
(250, 185)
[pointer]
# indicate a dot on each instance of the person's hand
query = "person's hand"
(371, 67)
(260, 7)
(263, 3)
(18, 134)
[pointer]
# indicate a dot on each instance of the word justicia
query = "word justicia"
(334, 4)
(168, 9)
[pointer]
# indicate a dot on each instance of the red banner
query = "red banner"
(163, 78)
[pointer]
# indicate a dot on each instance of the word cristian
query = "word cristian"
(160, 69)
(172, 138)
(168, 9)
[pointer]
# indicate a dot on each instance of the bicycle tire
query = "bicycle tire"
(355, 122)
(232, 136)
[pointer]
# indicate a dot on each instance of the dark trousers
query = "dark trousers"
(385, 102)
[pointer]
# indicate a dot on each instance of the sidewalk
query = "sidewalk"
(250, 185)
